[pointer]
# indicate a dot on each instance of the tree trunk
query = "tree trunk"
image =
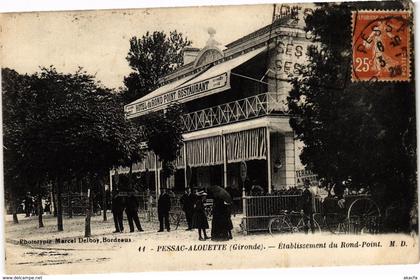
(15, 217)
(104, 202)
(130, 177)
(14, 206)
(70, 204)
(54, 200)
(89, 207)
(59, 205)
(40, 210)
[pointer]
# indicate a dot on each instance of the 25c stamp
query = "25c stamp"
(381, 46)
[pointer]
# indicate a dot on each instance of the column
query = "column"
(282, 153)
(110, 181)
(290, 167)
(268, 158)
(225, 180)
(185, 166)
(157, 179)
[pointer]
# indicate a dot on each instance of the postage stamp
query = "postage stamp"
(381, 46)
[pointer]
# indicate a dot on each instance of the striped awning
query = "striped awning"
(148, 162)
(205, 152)
(243, 145)
(246, 145)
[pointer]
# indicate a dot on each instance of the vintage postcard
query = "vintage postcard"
(211, 137)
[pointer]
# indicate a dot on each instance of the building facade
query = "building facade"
(236, 111)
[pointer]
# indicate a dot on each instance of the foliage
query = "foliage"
(163, 132)
(151, 57)
(362, 130)
(64, 125)
(15, 110)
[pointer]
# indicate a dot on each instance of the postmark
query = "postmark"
(381, 46)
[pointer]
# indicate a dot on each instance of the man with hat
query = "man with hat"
(118, 210)
(187, 200)
(307, 207)
(164, 206)
(131, 210)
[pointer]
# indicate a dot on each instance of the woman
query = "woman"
(199, 219)
(222, 226)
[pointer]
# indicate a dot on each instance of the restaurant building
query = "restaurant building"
(235, 102)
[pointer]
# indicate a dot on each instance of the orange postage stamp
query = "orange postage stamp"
(381, 46)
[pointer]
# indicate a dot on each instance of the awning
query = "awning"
(130, 108)
(164, 89)
(246, 145)
(243, 145)
(215, 79)
(205, 152)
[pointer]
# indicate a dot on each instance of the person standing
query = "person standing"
(307, 208)
(117, 211)
(188, 200)
(29, 203)
(199, 218)
(131, 209)
(47, 208)
(222, 226)
(164, 206)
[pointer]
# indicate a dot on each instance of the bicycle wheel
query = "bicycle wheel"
(302, 227)
(336, 223)
(279, 225)
(319, 222)
(174, 218)
(364, 216)
(317, 227)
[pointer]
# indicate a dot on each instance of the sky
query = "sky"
(98, 41)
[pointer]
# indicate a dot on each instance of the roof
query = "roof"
(283, 22)
(225, 66)
(191, 73)
(256, 33)
(163, 89)
(212, 80)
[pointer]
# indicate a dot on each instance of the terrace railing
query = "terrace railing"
(235, 111)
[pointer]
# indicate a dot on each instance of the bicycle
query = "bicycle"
(176, 217)
(291, 222)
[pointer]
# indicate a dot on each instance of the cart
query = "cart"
(354, 214)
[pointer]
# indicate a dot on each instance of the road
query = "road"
(45, 250)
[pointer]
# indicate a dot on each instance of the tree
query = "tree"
(14, 112)
(163, 133)
(85, 128)
(362, 130)
(61, 126)
(151, 57)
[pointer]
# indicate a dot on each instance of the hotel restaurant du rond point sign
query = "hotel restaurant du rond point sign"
(182, 94)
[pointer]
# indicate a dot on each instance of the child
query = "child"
(199, 219)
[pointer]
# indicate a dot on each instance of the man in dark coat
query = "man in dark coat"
(131, 209)
(187, 200)
(307, 207)
(118, 210)
(164, 206)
